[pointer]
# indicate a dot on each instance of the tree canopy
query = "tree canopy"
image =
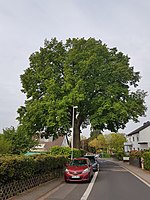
(5, 145)
(110, 143)
(99, 142)
(84, 73)
(16, 141)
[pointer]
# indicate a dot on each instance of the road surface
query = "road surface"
(111, 183)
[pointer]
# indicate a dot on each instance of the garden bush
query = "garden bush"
(22, 167)
(119, 155)
(146, 156)
(135, 154)
(66, 151)
(104, 155)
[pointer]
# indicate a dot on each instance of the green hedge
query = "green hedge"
(135, 154)
(119, 155)
(66, 151)
(146, 156)
(22, 167)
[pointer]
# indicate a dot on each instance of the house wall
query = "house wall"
(64, 143)
(144, 135)
(134, 139)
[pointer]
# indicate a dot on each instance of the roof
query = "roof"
(145, 125)
(45, 146)
(57, 142)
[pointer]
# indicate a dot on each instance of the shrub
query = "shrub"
(135, 154)
(56, 150)
(22, 167)
(66, 151)
(146, 156)
(119, 155)
(5, 146)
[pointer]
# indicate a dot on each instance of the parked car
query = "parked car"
(97, 155)
(94, 162)
(79, 169)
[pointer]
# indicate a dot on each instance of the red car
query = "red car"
(79, 169)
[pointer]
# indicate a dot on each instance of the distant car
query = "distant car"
(78, 170)
(97, 156)
(94, 162)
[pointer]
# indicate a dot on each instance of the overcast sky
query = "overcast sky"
(24, 24)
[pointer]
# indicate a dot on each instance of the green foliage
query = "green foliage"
(116, 141)
(86, 147)
(135, 154)
(5, 145)
(22, 167)
(113, 142)
(80, 72)
(120, 154)
(104, 155)
(99, 142)
(20, 141)
(56, 150)
(66, 151)
(146, 156)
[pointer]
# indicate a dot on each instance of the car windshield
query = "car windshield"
(91, 158)
(78, 163)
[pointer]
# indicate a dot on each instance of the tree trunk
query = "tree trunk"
(76, 134)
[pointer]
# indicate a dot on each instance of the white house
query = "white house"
(138, 139)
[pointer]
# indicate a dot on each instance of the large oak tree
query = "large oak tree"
(84, 73)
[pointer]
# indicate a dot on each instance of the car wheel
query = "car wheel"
(89, 179)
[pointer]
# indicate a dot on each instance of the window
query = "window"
(133, 138)
(137, 138)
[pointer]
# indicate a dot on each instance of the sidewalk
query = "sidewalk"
(143, 174)
(37, 192)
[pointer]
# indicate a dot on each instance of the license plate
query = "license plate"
(75, 176)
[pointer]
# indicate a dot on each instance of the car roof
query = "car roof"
(89, 156)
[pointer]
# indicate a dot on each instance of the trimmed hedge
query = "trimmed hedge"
(66, 151)
(146, 156)
(22, 167)
(135, 157)
(119, 155)
(135, 154)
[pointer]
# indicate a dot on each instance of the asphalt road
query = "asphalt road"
(112, 183)
(115, 183)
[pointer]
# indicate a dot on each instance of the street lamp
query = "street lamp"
(73, 118)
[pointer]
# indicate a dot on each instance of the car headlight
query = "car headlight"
(66, 170)
(86, 170)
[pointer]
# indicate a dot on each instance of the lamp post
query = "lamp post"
(73, 119)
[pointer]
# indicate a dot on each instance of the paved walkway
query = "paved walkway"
(143, 174)
(36, 193)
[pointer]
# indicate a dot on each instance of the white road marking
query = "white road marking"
(89, 188)
(137, 176)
